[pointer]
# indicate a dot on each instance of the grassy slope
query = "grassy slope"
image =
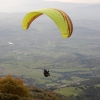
(69, 91)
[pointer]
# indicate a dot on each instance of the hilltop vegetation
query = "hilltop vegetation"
(14, 89)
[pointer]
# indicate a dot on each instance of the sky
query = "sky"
(77, 1)
(27, 5)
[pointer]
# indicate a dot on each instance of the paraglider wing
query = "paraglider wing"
(60, 18)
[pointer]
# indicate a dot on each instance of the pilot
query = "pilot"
(46, 73)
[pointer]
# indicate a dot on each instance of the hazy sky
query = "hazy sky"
(27, 5)
(77, 1)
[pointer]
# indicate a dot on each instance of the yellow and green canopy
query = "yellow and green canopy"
(60, 18)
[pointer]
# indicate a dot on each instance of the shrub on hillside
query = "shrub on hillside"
(5, 96)
(13, 86)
